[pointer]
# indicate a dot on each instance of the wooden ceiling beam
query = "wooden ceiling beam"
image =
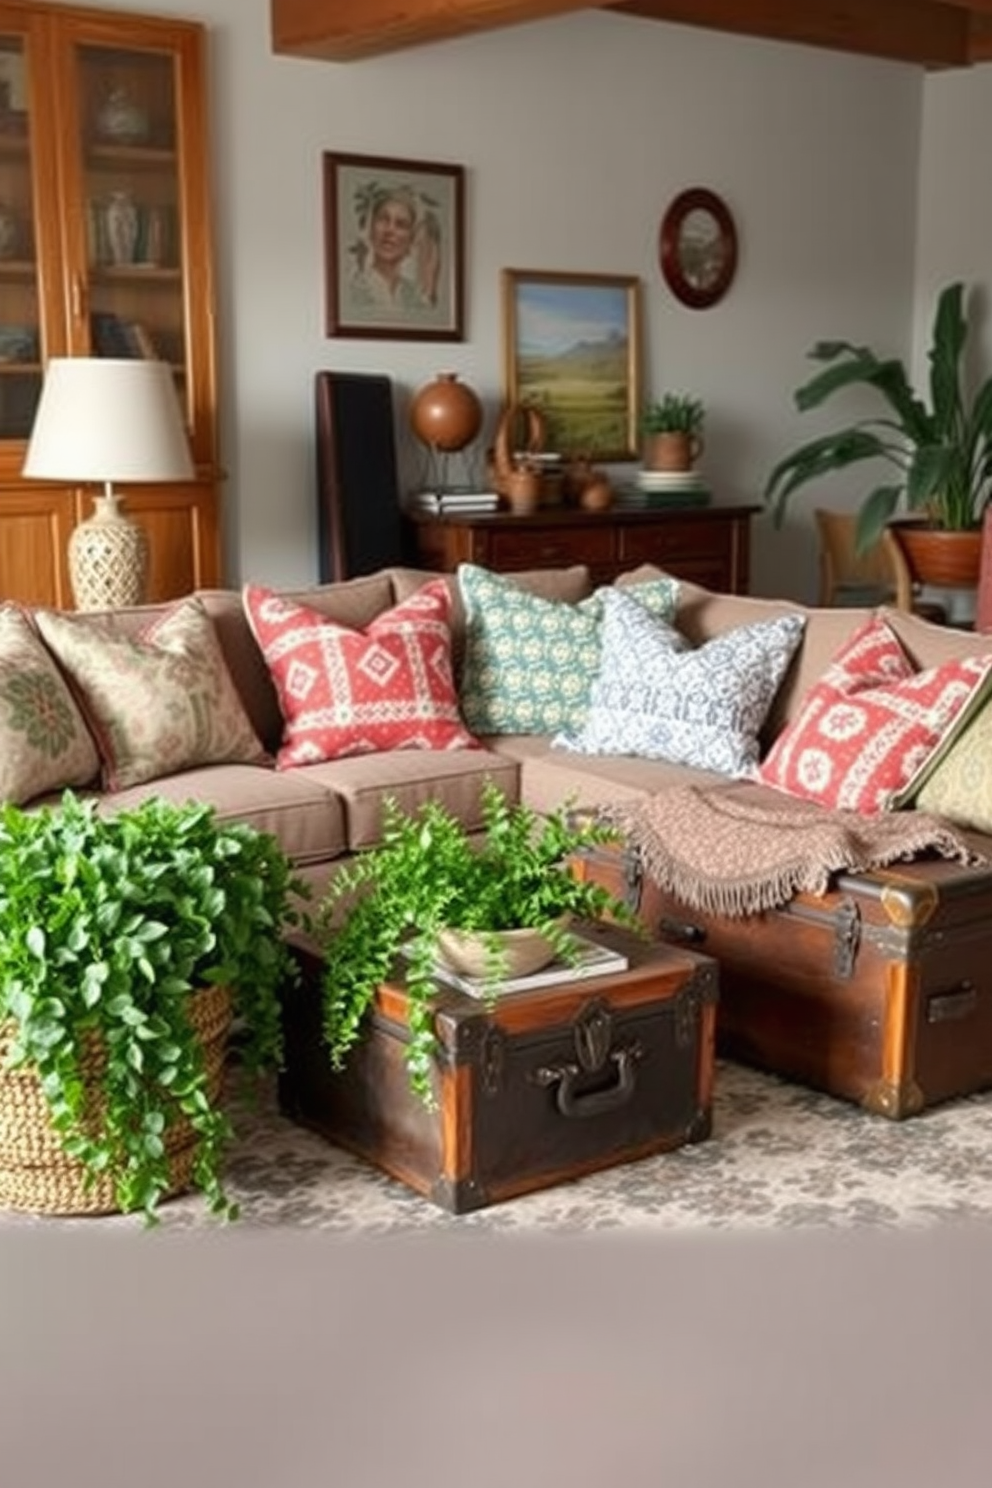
(922, 31)
(930, 33)
(980, 46)
(345, 30)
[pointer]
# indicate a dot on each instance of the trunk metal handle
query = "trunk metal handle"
(573, 1103)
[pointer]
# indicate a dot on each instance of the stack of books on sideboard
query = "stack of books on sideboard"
(453, 501)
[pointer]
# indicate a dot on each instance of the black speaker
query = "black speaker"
(359, 522)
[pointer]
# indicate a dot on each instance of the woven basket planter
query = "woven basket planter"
(37, 1177)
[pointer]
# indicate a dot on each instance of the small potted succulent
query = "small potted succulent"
(128, 942)
(428, 877)
(673, 432)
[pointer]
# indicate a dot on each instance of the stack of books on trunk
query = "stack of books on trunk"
(453, 501)
(593, 960)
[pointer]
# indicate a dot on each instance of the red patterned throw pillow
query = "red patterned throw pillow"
(872, 727)
(344, 691)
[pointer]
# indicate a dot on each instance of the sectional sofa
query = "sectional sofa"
(325, 811)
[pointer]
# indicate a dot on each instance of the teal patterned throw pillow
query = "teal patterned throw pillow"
(530, 662)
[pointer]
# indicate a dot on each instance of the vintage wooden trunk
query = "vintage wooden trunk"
(550, 1084)
(879, 991)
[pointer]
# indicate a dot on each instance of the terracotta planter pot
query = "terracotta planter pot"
(671, 451)
(946, 560)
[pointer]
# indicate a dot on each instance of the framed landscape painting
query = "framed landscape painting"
(572, 349)
(394, 248)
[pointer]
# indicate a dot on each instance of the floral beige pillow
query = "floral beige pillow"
(44, 742)
(158, 703)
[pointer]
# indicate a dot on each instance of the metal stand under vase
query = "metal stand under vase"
(108, 558)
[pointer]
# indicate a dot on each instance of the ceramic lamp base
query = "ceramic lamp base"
(108, 559)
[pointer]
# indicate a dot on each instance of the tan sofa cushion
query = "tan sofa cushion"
(549, 776)
(306, 817)
(455, 778)
(930, 645)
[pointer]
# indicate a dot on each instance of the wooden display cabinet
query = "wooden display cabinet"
(105, 250)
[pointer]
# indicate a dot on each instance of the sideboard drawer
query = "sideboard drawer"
(690, 539)
(551, 547)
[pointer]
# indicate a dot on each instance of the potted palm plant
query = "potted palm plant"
(939, 453)
(673, 432)
(128, 942)
(429, 880)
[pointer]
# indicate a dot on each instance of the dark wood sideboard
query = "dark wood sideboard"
(708, 545)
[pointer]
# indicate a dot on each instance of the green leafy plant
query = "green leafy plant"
(427, 875)
(941, 453)
(675, 413)
(108, 926)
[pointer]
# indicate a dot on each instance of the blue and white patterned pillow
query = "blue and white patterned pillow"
(658, 698)
(529, 661)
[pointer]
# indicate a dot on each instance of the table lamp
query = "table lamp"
(107, 419)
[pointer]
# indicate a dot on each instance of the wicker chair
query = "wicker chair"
(880, 576)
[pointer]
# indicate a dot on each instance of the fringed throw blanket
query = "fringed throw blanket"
(737, 849)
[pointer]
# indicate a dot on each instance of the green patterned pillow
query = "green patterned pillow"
(530, 662)
(158, 703)
(44, 742)
(960, 786)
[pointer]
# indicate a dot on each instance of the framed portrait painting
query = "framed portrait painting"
(572, 350)
(394, 248)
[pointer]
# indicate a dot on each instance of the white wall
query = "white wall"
(576, 133)
(954, 225)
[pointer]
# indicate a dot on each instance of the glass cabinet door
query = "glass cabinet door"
(20, 311)
(131, 201)
(135, 201)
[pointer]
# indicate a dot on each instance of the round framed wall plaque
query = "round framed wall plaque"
(697, 247)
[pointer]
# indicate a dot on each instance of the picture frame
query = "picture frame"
(572, 349)
(394, 234)
(697, 247)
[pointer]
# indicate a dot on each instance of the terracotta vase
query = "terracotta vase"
(597, 493)
(671, 451)
(523, 489)
(446, 414)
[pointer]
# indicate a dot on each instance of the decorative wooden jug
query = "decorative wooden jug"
(513, 476)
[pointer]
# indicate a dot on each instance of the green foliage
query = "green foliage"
(675, 413)
(941, 454)
(108, 924)
(427, 875)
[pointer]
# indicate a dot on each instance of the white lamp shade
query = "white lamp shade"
(108, 419)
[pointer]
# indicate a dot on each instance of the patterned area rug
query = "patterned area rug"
(779, 1156)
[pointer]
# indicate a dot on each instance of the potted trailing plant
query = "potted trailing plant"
(939, 453)
(427, 877)
(673, 430)
(127, 942)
